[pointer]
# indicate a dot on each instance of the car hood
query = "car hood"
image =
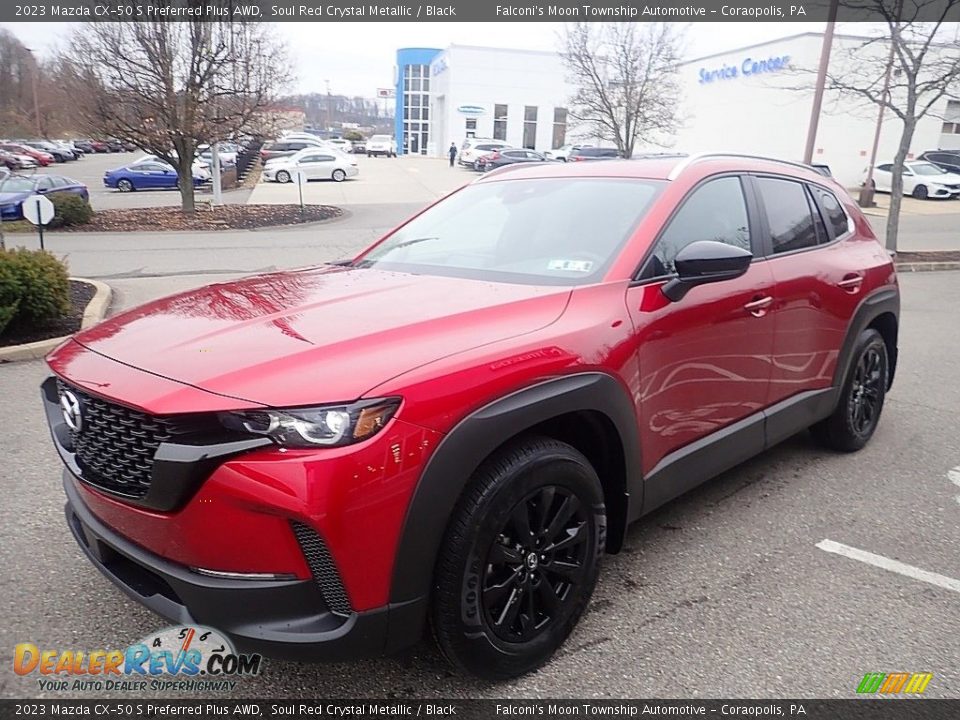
(12, 197)
(318, 335)
(948, 179)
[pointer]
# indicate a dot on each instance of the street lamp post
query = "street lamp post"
(821, 82)
(866, 192)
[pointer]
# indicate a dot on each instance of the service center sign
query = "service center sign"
(750, 66)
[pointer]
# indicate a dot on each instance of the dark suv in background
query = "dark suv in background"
(949, 160)
(592, 153)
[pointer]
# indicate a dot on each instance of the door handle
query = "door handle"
(759, 305)
(851, 283)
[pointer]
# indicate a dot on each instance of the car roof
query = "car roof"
(658, 167)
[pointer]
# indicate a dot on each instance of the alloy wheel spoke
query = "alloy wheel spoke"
(565, 570)
(510, 611)
(501, 554)
(564, 512)
(549, 596)
(494, 594)
(520, 521)
(575, 536)
(544, 503)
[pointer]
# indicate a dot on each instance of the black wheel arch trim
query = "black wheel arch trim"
(879, 302)
(475, 437)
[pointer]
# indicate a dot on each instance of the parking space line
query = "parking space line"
(886, 563)
(954, 477)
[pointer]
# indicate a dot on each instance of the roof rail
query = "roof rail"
(697, 157)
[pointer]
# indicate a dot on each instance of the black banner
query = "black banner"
(473, 10)
(889, 709)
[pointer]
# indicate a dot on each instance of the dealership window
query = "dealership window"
(530, 127)
(470, 129)
(416, 113)
(788, 214)
(559, 127)
(499, 122)
(714, 211)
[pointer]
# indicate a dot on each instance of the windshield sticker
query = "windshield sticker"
(579, 266)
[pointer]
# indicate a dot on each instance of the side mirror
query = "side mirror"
(706, 261)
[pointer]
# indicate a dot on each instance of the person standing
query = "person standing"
(452, 152)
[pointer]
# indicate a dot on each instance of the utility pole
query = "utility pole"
(866, 192)
(825, 49)
(34, 71)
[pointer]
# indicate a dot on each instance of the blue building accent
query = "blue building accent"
(407, 57)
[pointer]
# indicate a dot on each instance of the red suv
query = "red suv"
(452, 427)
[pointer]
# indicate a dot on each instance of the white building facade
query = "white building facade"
(754, 100)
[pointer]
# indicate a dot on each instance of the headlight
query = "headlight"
(328, 425)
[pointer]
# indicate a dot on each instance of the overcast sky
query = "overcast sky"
(357, 58)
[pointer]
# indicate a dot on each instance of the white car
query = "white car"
(199, 169)
(342, 145)
(381, 145)
(562, 152)
(475, 148)
(315, 163)
(25, 161)
(921, 179)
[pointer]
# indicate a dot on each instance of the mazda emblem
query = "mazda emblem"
(72, 412)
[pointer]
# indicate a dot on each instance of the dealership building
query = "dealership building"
(755, 99)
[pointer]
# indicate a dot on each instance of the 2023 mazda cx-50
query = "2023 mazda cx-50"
(452, 427)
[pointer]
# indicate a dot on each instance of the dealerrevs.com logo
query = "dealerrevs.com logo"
(179, 658)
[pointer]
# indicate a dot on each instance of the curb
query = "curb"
(95, 311)
(928, 266)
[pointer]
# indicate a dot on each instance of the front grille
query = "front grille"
(115, 445)
(323, 569)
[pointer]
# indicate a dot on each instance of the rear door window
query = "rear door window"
(835, 215)
(789, 215)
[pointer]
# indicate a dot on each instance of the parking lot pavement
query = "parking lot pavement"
(90, 169)
(722, 593)
(381, 180)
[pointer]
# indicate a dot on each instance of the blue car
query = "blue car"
(17, 188)
(148, 175)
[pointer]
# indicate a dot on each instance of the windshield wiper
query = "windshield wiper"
(412, 241)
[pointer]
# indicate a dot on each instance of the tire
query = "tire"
(124, 185)
(282, 176)
(920, 192)
(338, 175)
(485, 632)
(857, 414)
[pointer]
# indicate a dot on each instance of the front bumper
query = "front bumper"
(278, 618)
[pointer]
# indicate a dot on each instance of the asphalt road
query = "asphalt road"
(722, 593)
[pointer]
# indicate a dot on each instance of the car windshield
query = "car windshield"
(560, 231)
(17, 184)
(927, 169)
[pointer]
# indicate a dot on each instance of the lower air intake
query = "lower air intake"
(323, 568)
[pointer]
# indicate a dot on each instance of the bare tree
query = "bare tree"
(909, 72)
(625, 80)
(16, 74)
(169, 86)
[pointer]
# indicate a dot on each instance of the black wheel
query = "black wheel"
(125, 185)
(339, 175)
(861, 401)
(920, 192)
(282, 176)
(519, 560)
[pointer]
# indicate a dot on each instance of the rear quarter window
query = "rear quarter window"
(836, 216)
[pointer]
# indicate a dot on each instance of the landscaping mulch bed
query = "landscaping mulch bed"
(80, 294)
(929, 256)
(222, 217)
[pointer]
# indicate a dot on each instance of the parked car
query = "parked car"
(921, 179)
(508, 156)
(147, 175)
(473, 149)
(581, 153)
(227, 151)
(15, 161)
(359, 147)
(948, 160)
(562, 153)
(114, 145)
(383, 145)
(317, 164)
(40, 157)
(18, 188)
(283, 148)
(100, 146)
(344, 146)
(85, 146)
(199, 168)
(473, 409)
(59, 154)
